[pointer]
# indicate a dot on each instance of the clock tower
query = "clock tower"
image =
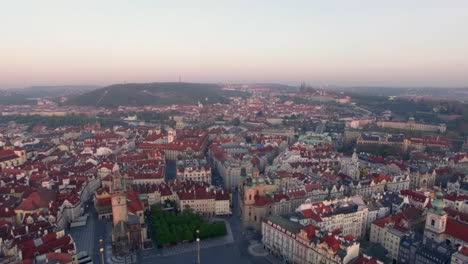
(118, 200)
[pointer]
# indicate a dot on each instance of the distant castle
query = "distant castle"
(412, 125)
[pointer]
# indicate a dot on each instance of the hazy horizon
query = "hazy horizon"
(386, 44)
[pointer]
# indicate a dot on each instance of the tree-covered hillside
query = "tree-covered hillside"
(138, 94)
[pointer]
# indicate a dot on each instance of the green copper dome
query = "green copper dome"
(438, 204)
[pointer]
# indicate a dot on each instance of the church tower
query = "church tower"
(171, 134)
(354, 158)
(8, 145)
(436, 218)
(119, 200)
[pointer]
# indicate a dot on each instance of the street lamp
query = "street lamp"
(100, 242)
(101, 250)
(198, 250)
(198, 246)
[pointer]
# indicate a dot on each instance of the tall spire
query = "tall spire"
(354, 158)
(118, 184)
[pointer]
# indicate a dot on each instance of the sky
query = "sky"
(345, 43)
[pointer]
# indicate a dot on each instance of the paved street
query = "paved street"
(87, 237)
(171, 172)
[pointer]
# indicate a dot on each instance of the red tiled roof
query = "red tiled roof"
(332, 242)
(336, 231)
(308, 213)
(458, 157)
(464, 250)
(310, 230)
(313, 186)
(222, 195)
(263, 200)
(62, 258)
(38, 199)
(296, 193)
(104, 202)
(414, 195)
(279, 196)
(382, 222)
(456, 214)
(154, 137)
(12, 171)
(108, 165)
(366, 260)
(456, 197)
(7, 212)
(411, 213)
(134, 204)
(47, 247)
(380, 178)
(456, 229)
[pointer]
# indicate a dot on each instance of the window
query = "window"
(432, 222)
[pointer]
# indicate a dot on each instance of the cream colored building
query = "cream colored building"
(201, 206)
(306, 244)
(208, 202)
(388, 236)
(412, 125)
(192, 170)
(348, 214)
(222, 207)
(389, 231)
(12, 157)
(421, 178)
(461, 257)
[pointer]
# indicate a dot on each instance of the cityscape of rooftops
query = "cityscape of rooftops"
(270, 132)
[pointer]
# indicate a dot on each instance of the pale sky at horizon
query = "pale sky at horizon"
(349, 43)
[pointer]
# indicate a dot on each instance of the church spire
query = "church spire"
(354, 158)
(118, 184)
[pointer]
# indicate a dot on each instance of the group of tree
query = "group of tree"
(15, 99)
(295, 99)
(167, 93)
(385, 151)
(422, 110)
(148, 116)
(172, 228)
(49, 121)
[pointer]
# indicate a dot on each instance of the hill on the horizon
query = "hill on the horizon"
(25, 96)
(138, 94)
(55, 90)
